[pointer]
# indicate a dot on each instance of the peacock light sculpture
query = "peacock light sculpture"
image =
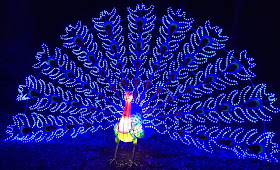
(130, 126)
(167, 76)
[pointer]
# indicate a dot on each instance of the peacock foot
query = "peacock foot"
(132, 164)
(113, 161)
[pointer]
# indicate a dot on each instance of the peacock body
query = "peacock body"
(182, 82)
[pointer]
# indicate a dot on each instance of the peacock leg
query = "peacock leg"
(117, 140)
(134, 143)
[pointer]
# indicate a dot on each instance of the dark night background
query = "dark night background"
(25, 24)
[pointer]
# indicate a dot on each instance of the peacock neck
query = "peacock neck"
(127, 109)
(125, 122)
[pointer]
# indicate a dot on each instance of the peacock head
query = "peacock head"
(128, 96)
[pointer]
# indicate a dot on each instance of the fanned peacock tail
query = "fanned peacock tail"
(183, 79)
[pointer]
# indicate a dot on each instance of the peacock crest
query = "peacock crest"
(183, 81)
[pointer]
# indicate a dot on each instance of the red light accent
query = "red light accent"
(181, 132)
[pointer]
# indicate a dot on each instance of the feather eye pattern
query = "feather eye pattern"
(183, 80)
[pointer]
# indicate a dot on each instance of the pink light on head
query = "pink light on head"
(128, 96)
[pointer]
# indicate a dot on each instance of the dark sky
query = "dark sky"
(251, 24)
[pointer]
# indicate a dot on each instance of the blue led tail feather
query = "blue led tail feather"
(199, 111)
(189, 89)
(218, 42)
(179, 114)
(44, 128)
(108, 27)
(253, 104)
(188, 60)
(75, 104)
(140, 22)
(114, 46)
(164, 48)
(86, 85)
(25, 130)
(69, 126)
(87, 125)
(178, 34)
(75, 36)
(234, 67)
(78, 41)
(148, 83)
(201, 136)
(139, 45)
(210, 79)
(48, 128)
(33, 93)
(156, 66)
(226, 142)
(137, 64)
(173, 27)
(52, 62)
(120, 65)
(55, 99)
(205, 41)
(256, 148)
(69, 74)
(245, 144)
(136, 81)
(124, 82)
(180, 132)
(225, 107)
(172, 76)
(91, 58)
